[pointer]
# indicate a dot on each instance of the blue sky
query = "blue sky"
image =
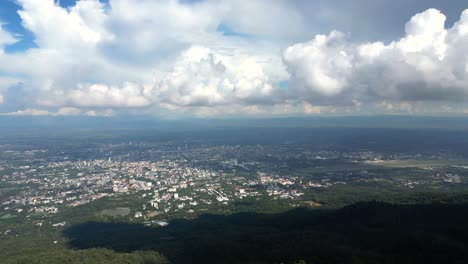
(12, 23)
(206, 58)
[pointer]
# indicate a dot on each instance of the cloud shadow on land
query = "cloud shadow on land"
(370, 232)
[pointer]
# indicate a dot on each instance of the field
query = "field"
(7, 216)
(422, 164)
(121, 211)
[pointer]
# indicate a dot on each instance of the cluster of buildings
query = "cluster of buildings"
(183, 179)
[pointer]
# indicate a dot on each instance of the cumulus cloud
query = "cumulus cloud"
(144, 31)
(86, 52)
(69, 111)
(6, 85)
(200, 78)
(96, 58)
(28, 112)
(6, 38)
(129, 95)
(278, 20)
(323, 64)
(64, 111)
(56, 27)
(429, 63)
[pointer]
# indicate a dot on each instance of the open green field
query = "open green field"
(121, 211)
(7, 216)
(418, 163)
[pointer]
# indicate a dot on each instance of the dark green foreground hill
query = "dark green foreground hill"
(101, 256)
(367, 232)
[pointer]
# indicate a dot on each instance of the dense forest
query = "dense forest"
(427, 228)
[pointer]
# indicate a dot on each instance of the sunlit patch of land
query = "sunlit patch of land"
(7, 216)
(153, 214)
(121, 211)
(312, 203)
(423, 164)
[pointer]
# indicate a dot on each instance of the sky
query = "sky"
(218, 58)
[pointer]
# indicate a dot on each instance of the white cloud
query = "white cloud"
(200, 78)
(100, 59)
(87, 51)
(323, 64)
(28, 112)
(277, 20)
(64, 111)
(6, 38)
(68, 111)
(429, 63)
(56, 28)
(129, 95)
(7, 82)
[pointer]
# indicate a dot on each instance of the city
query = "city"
(183, 181)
